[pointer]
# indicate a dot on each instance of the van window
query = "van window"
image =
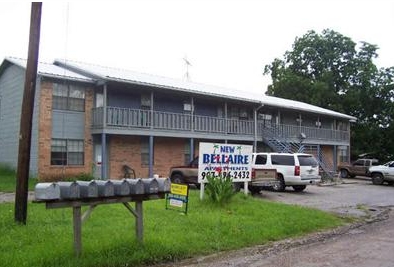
(307, 160)
(261, 159)
(287, 160)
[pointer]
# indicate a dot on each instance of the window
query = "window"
(99, 100)
(359, 162)
(145, 152)
(307, 160)
(67, 152)
(68, 97)
(282, 160)
(145, 102)
(261, 160)
(187, 153)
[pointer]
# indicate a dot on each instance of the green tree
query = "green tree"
(329, 70)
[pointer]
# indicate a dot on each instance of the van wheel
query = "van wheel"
(177, 178)
(299, 188)
(279, 186)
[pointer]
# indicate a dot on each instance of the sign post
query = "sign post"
(224, 160)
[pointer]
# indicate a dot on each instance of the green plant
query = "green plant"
(220, 189)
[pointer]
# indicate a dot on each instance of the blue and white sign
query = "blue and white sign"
(225, 160)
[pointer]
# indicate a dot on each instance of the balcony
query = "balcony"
(139, 120)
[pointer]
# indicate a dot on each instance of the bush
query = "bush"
(220, 189)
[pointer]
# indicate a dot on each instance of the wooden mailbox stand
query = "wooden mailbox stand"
(79, 218)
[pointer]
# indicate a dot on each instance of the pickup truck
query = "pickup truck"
(188, 174)
(359, 167)
(382, 173)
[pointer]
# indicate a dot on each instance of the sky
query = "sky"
(227, 43)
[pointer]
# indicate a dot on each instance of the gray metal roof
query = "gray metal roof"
(127, 76)
(51, 70)
(132, 77)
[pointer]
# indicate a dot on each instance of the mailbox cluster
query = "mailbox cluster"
(101, 188)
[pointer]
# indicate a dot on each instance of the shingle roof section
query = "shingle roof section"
(51, 70)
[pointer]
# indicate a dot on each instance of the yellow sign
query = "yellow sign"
(179, 189)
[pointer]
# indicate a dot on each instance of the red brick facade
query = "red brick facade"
(45, 170)
(127, 150)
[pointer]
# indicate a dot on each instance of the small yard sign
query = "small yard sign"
(178, 197)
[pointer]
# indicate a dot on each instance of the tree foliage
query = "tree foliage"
(331, 71)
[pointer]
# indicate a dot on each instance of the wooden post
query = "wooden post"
(139, 222)
(22, 174)
(77, 225)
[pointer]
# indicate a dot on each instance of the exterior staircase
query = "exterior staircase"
(279, 143)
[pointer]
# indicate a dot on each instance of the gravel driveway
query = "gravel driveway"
(364, 244)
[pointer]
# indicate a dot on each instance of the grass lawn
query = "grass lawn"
(8, 180)
(108, 236)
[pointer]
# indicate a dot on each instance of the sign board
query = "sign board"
(225, 160)
(178, 198)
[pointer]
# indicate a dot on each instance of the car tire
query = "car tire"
(177, 178)
(237, 187)
(299, 188)
(280, 185)
(377, 179)
(254, 190)
(344, 173)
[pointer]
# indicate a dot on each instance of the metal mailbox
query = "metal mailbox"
(122, 187)
(136, 186)
(88, 189)
(69, 190)
(105, 188)
(151, 185)
(47, 191)
(164, 184)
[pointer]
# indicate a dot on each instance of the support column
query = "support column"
(191, 149)
(151, 140)
(335, 160)
(103, 156)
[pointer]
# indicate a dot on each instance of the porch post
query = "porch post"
(103, 156)
(255, 130)
(335, 160)
(191, 149)
(151, 156)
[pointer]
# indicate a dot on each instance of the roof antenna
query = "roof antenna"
(187, 63)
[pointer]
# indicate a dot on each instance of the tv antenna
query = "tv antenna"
(187, 63)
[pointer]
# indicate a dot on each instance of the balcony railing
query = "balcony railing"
(138, 118)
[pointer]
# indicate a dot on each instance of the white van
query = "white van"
(297, 170)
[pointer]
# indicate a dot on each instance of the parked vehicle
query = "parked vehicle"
(359, 167)
(297, 170)
(382, 173)
(188, 174)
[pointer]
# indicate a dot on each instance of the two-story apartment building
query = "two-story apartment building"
(94, 119)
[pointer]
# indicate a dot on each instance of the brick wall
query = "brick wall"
(46, 172)
(127, 150)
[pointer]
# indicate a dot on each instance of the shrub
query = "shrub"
(220, 189)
